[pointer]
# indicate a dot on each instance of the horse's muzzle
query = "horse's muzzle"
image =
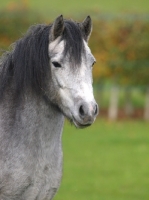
(87, 113)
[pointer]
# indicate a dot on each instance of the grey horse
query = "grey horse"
(47, 75)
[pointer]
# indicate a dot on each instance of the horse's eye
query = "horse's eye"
(93, 63)
(56, 64)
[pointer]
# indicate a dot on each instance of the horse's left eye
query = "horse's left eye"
(93, 63)
(56, 64)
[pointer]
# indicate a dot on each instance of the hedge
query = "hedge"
(119, 43)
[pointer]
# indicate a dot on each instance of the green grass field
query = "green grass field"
(108, 161)
(53, 8)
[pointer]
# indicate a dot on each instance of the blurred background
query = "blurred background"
(110, 160)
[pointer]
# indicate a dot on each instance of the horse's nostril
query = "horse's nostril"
(96, 110)
(81, 111)
(87, 111)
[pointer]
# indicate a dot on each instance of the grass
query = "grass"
(108, 161)
(70, 8)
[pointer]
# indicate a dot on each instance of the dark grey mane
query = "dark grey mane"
(27, 65)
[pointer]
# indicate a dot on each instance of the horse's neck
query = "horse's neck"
(30, 147)
(42, 116)
(32, 119)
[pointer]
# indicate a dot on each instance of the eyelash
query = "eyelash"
(93, 63)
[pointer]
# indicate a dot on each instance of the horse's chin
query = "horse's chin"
(80, 125)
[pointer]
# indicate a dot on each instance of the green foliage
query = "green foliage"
(107, 161)
(102, 96)
(14, 23)
(121, 46)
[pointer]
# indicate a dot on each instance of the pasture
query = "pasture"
(69, 8)
(107, 161)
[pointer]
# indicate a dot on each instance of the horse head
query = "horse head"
(71, 63)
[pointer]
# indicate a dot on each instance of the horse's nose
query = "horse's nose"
(88, 111)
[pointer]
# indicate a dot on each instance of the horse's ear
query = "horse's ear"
(86, 27)
(57, 27)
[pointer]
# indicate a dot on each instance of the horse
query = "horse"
(45, 78)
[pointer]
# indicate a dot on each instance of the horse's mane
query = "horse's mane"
(27, 64)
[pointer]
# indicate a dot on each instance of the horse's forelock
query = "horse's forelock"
(74, 45)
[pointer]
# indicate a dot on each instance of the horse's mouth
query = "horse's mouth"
(80, 125)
